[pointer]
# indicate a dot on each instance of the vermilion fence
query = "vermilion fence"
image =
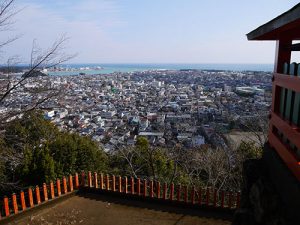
(33, 197)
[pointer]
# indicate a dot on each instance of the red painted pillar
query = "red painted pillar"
(23, 202)
(151, 189)
(14, 203)
(101, 181)
(165, 191)
(200, 196)
(178, 192)
(90, 179)
(58, 187)
(37, 195)
(71, 183)
(238, 200)
(138, 186)
(30, 197)
(6, 206)
(222, 199)
(65, 189)
(107, 182)
(45, 192)
(207, 196)
(126, 185)
(95, 180)
(76, 181)
(186, 194)
(120, 184)
(230, 200)
(52, 194)
(145, 188)
(158, 189)
(193, 195)
(82, 179)
(172, 191)
(215, 197)
(113, 183)
(132, 185)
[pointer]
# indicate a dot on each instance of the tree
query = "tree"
(13, 88)
(44, 152)
(146, 161)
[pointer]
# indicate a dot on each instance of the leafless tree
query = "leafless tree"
(37, 90)
(15, 89)
(258, 126)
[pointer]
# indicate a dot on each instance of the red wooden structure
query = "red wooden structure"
(284, 132)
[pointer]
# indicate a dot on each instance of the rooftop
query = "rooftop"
(286, 23)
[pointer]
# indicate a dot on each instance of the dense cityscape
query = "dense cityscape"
(188, 108)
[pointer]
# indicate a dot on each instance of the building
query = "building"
(274, 187)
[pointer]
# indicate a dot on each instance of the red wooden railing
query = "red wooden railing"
(284, 133)
(36, 196)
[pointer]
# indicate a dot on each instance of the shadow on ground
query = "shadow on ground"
(161, 206)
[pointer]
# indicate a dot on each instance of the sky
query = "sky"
(147, 31)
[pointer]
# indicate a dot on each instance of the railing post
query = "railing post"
(222, 199)
(52, 193)
(145, 188)
(23, 202)
(165, 192)
(6, 206)
(14, 203)
(215, 197)
(200, 196)
(30, 197)
(90, 179)
(172, 191)
(238, 200)
(76, 181)
(193, 195)
(158, 189)
(230, 200)
(37, 195)
(207, 196)
(178, 192)
(113, 183)
(82, 179)
(101, 181)
(95, 180)
(107, 182)
(126, 185)
(151, 189)
(186, 194)
(120, 184)
(71, 183)
(65, 189)
(58, 187)
(132, 185)
(45, 192)
(138, 186)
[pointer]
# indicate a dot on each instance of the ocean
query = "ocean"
(111, 68)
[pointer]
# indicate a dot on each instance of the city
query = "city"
(189, 108)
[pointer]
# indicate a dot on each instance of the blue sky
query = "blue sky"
(149, 31)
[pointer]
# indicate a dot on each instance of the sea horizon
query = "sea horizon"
(108, 68)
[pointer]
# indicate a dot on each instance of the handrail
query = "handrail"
(145, 188)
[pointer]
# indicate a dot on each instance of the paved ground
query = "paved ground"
(91, 209)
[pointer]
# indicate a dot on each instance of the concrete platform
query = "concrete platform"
(89, 209)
